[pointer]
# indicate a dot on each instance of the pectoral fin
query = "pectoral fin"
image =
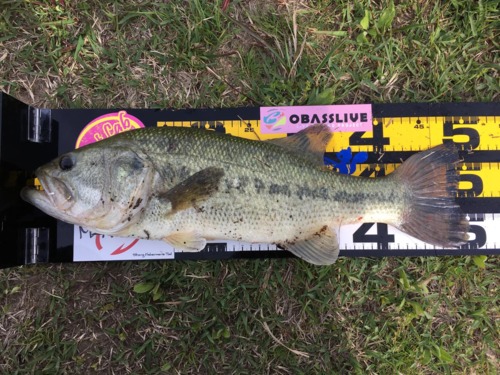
(320, 249)
(186, 241)
(194, 190)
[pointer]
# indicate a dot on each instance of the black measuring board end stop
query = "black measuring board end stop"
(28, 137)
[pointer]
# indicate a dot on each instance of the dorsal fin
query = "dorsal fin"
(309, 143)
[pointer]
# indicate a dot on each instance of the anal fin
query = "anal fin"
(320, 249)
(186, 241)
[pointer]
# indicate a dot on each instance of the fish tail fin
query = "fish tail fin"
(430, 183)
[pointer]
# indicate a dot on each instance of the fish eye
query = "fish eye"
(137, 164)
(66, 162)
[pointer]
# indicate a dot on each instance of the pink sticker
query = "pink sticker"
(340, 118)
(106, 126)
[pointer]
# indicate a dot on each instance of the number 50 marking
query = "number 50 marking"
(450, 130)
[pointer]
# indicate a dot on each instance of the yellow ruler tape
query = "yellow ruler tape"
(477, 179)
(481, 133)
(249, 129)
(474, 133)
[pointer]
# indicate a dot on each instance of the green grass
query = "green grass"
(430, 315)
(380, 316)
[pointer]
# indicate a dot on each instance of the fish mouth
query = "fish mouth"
(55, 195)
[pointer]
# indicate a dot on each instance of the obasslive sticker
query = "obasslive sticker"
(340, 118)
(90, 246)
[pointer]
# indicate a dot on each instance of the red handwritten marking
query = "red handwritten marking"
(118, 250)
(359, 218)
(122, 249)
(98, 242)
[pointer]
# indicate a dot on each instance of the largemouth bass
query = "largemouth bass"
(186, 186)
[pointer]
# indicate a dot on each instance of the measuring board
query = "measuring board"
(399, 130)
